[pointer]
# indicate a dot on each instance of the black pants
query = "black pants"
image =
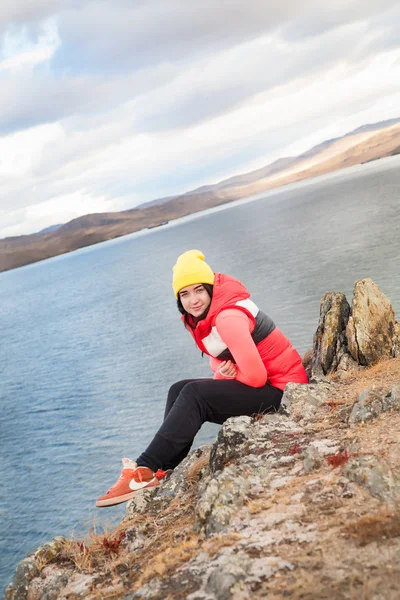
(190, 403)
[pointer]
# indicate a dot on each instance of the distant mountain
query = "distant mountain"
(364, 144)
(93, 220)
(246, 178)
(51, 228)
(374, 126)
(278, 165)
(153, 202)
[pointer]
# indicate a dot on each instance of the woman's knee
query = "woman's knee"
(191, 394)
(176, 388)
(173, 394)
(190, 390)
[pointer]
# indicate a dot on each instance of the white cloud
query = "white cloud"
(57, 210)
(29, 58)
(103, 157)
(19, 152)
(92, 140)
(68, 207)
(19, 52)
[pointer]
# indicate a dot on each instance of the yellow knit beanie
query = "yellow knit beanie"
(190, 268)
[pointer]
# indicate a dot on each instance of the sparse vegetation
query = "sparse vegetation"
(336, 520)
(193, 473)
(377, 527)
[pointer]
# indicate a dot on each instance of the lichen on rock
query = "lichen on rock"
(375, 475)
(267, 509)
(233, 433)
(371, 327)
(371, 402)
(316, 452)
(224, 579)
(348, 338)
(220, 499)
(300, 402)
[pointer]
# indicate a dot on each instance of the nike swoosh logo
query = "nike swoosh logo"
(138, 485)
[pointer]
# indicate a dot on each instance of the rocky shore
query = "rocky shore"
(299, 504)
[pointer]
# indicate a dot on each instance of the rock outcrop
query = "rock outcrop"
(347, 339)
(303, 503)
(396, 340)
(275, 495)
(330, 344)
(370, 330)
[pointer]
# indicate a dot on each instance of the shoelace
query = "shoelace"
(160, 474)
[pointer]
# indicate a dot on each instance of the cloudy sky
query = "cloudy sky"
(105, 105)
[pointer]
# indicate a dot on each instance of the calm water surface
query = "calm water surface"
(92, 340)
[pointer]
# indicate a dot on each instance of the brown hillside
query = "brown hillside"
(91, 229)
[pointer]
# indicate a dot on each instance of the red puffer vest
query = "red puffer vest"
(281, 360)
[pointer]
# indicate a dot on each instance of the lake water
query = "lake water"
(91, 341)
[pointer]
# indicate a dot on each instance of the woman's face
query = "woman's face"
(195, 299)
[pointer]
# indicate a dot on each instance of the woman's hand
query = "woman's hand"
(228, 369)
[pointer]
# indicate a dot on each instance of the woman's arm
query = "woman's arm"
(216, 365)
(233, 326)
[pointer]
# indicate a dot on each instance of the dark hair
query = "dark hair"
(189, 320)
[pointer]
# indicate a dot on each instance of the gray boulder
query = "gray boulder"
(300, 402)
(219, 500)
(25, 572)
(233, 433)
(226, 576)
(252, 443)
(371, 402)
(371, 327)
(375, 475)
(50, 584)
(314, 454)
(141, 502)
(368, 406)
(242, 462)
(28, 568)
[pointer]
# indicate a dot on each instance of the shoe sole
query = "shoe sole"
(125, 497)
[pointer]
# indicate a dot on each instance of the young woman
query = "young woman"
(251, 359)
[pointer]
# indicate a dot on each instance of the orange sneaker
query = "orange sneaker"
(132, 479)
